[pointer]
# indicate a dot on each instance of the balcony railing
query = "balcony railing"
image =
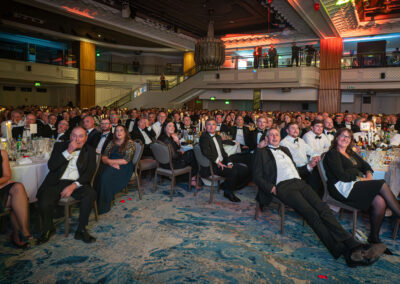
(371, 60)
(138, 69)
(282, 60)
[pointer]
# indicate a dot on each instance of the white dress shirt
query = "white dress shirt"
(101, 142)
(58, 136)
(131, 125)
(330, 134)
(71, 172)
(178, 125)
(113, 128)
(89, 130)
(319, 146)
(218, 127)
(157, 128)
(299, 149)
(348, 125)
(239, 136)
(146, 137)
(284, 166)
(220, 157)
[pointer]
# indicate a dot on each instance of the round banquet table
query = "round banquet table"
(30, 175)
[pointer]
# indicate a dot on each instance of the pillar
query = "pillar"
(188, 61)
(329, 95)
(256, 99)
(87, 71)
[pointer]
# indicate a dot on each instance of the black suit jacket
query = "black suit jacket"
(136, 134)
(209, 150)
(224, 128)
(128, 122)
(19, 131)
(176, 125)
(57, 165)
(265, 173)
(246, 134)
(92, 138)
(97, 139)
(63, 137)
(253, 138)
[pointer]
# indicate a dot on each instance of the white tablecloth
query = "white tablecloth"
(391, 174)
(31, 176)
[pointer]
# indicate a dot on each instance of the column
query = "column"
(256, 99)
(188, 61)
(329, 95)
(87, 70)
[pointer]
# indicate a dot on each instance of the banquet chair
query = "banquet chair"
(204, 162)
(136, 161)
(4, 214)
(163, 155)
(68, 202)
(330, 200)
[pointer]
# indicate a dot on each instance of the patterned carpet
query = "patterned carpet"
(156, 240)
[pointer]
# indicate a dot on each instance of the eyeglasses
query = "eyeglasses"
(345, 137)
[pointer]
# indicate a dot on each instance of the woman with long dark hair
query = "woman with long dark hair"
(116, 168)
(180, 159)
(350, 181)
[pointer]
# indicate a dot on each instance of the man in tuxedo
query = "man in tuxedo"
(329, 131)
(92, 133)
(24, 131)
(276, 174)
(303, 155)
(241, 133)
(130, 122)
(339, 123)
(177, 122)
(237, 175)
(52, 123)
(16, 121)
(221, 127)
(316, 139)
(187, 124)
(114, 119)
(61, 134)
(356, 126)
(102, 139)
(71, 168)
(348, 123)
(259, 133)
(143, 131)
(161, 117)
(74, 118)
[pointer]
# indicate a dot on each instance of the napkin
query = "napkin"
(24, 161)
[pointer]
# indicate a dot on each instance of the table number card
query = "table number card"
(33, 128)
(365, 126)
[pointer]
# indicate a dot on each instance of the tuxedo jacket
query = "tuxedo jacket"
(19, 131)
(176, 127)
(246, 134)
(97, 139)
(253, 138)
(265, 172)
(92, 138)
(128, 121)
(224, 128)
(63, 137)
(209, 150)
(136, 134)
(57, 165)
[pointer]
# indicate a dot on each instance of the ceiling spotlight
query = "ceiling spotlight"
(98, 35)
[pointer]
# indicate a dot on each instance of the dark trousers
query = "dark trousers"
(301, 197)
(235, 178)
(295, 58)
(314, 180)
(147, 151)
(49, 197)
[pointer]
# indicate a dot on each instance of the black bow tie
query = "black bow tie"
(317, 137)
(277, 148)
(260, 131)
(104, 135)
(296, 140)
(331, 133)
(239, 127)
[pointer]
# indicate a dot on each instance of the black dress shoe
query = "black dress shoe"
(45, 236)
(231, 197)
(84, 236)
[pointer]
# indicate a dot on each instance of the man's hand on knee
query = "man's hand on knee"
(68, 190)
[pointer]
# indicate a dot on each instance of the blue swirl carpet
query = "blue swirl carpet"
(156, 240)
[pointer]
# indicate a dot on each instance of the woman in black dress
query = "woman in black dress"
(180, 159)
(116, 168)
(350, 181)
(13, 195)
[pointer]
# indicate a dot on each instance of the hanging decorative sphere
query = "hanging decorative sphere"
(316, 7)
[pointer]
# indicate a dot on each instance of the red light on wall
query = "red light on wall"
(316, 7)
(85, 13)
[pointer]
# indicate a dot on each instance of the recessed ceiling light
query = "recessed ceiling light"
(231, 22)
(99, 35)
